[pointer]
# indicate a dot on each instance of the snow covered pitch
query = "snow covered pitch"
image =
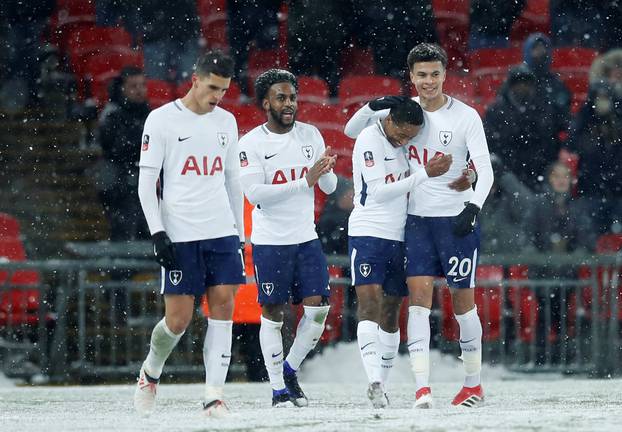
(514, 402)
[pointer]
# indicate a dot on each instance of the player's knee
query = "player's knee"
(178, 324)
(274, 313)
(317, 314)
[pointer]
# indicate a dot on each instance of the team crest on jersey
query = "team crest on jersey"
(145, 142)
(445, 137)
(243, 159)
(223, 138)
(175, 276)
(307, 151)
(267, 287)
(369, 159)
(365, 269)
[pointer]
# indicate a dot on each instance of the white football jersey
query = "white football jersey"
(282, 158)
(454, 129)
(193, 151)
(375, 158)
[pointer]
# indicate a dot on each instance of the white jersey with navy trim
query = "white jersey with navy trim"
(374, 158)
(198, 155)
(454, 129)
(272, 171)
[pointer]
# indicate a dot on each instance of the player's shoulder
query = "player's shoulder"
(251, 137)
(303, 128)
(370, 133)
(222, 113)
(458, 107)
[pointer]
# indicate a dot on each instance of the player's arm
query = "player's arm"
(366, 116)
(252, 179)
(150, 165)
(233, 186)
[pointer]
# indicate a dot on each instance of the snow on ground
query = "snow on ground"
(514, 403)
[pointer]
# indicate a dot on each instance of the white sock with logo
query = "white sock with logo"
(367, 338)
(163, 340)
(216, 357)
(308, 333)
(471, 345)
(419, 344)
(271, 342)
(388, 344)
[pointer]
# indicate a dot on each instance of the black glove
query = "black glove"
(386, 102)
(164, 251)
(465, 221)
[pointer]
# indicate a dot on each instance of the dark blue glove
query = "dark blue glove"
(466, 220)
(164, 251)
(386, 102)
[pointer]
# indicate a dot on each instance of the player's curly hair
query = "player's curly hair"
(426, 52)
(268, 79)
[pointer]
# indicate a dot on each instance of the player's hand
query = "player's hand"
(332, 159)
(386, 102)
(164, 251)
(465, 221)
(465, 180)
(438, 165)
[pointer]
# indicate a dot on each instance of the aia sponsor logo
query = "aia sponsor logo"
(421, 158)
(202, 166)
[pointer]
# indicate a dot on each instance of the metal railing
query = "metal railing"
(94, 316)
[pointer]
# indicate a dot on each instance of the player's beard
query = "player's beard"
(278, 118)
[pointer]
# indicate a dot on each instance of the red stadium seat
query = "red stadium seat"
(452, 26)
(535, 18)
(9, 227)
(573, 60)
(312, 90)
(357, 61)
(86, 42)
(213, 16)
(261, 60)
(354, 90)
(322, 116)
(159, 92)
(100, 69)
(342, 146)
(68, 16)
(493, 61)
(248, 117)
(524, 303)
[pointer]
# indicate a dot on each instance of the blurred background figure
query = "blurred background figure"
(520, 128)
(119, 136)
(597, 138)
(332, 228)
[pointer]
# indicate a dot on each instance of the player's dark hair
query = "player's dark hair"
(268, 79)
(407, 112)
(215, 62)
(426, 52)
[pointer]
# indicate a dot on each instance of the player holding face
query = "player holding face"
(376, 235)
(280, 162)
(442, 232)
(196, 224)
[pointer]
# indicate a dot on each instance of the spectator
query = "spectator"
(607, 69)
(119, 135)
(491, 22)
(391, 28)
(23, 23)
(597, 138)
(550, 88)
(171, 38)
(317, 33)
(504, 216)
(332, 227)
(251, 23)
(520, 128)
(560, 225)
(56, 91)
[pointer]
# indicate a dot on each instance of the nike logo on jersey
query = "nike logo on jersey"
(466, 342)
(270, 156)
(460, 279)
(277, 354)
(387, 358)
(473, 221)
(366, 345)
(415, 342)
(225, 356)
(389, 159)
(180, 139)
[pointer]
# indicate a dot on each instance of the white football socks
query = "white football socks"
(308, 333)
(367, 337)
(271, 342)
(388, 344)
(163, 340)
(216, 357)
(419, 344)
(471, 345)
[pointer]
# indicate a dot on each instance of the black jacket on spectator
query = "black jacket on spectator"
(520, 128)
(551, 89)
(175, 20)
